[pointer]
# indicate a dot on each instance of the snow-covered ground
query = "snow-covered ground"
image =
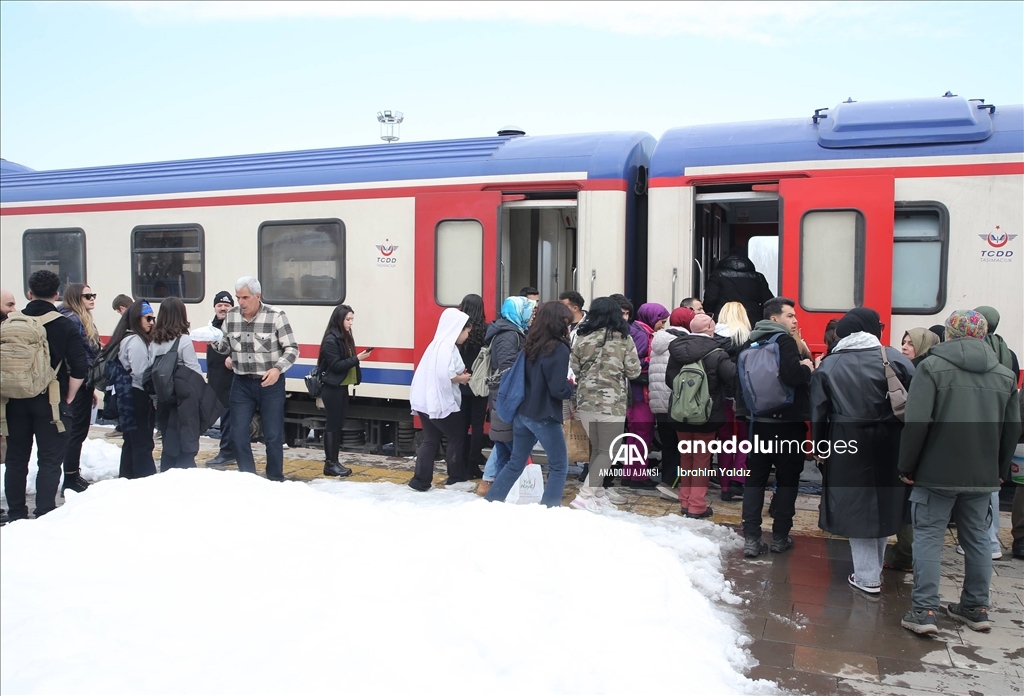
(219, 582)
(100, 461)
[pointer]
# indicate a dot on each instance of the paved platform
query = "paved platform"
(812, 633)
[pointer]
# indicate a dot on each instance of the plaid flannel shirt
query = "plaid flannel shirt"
(258, 345)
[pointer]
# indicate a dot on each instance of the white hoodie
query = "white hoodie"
(432, 391)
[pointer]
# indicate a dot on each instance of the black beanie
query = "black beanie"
(223, 296)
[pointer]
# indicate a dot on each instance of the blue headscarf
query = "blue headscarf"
(147, 309)
(518, 310)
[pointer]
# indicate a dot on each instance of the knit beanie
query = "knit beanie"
(702, 324)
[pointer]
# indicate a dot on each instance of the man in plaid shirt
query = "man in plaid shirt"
(261, 345)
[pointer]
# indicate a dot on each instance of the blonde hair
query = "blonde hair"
(73, 301)
(734, 315)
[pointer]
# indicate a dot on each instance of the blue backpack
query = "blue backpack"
(763, 390)
(512, 391)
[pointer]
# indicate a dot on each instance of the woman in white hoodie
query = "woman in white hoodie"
(436, 398)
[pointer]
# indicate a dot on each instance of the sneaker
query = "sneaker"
(114, 435)
(754, 547)
(976, 618)
(781, 544)
(996, 555)
(700, 516)
(605, 503)
(588, 504)
(870, 589)
(417, 486)
(221, 460)
(668, 493)
(614, 496)
(920, 622)
(74, 482)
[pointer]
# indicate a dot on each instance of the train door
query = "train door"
(456, 247)
(837, 248)
(538, 247)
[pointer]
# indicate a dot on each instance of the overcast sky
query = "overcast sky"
(86, 84)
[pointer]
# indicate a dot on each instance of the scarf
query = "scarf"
(651, 313)
(518, 310)
(923, 341)
(432, 391)
(966, 323)
(861, 319)
(856, 341)
(994, 341)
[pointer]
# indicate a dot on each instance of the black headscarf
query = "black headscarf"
(940, 331)
(859, 319)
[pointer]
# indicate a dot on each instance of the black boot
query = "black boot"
(332, 467)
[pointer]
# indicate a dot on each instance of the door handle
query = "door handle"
(700, 270)
(575, 286)
(593, 277)
(675, 277)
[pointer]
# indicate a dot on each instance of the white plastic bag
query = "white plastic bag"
(529, 488)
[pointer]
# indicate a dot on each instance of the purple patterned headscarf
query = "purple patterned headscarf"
(966, 323)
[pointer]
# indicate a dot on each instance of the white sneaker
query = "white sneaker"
(588, 504)
(614, 496)
(668, 493)
(996, 555)
(604, 503)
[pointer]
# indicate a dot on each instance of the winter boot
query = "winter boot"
(332, 467)
(73, 481)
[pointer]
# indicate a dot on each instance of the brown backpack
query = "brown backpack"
(25, 370)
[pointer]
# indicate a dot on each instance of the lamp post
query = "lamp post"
(389, 125)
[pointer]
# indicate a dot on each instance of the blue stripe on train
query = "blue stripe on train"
(371, 375)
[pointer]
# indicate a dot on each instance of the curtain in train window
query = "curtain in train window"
(917, 262)
(459, 263)
(303, 262)
(167, 261)
(59, 251)
(831, 260)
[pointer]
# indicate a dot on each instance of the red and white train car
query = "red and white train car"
(913, 208)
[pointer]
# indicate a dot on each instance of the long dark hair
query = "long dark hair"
(605, 315)
(550, 327)
(473, 305)
(172, 322)
(337, 321)
(131, 321)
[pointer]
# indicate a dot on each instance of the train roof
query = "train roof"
(601, 155)
(852, 130)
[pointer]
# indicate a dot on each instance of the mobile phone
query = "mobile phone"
(369, 350)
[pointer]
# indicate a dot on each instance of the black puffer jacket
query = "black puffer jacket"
(197, 407)
(720, 369)
(505, 340)
(336, 361)
(735, 280)
(863, 497)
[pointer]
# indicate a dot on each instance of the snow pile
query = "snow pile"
(100, 461)
(220, 582)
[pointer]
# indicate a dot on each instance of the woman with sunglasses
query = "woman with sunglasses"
(78, 303)
(135, 411)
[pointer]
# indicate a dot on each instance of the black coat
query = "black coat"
(219, 376)
(720, 369)
(735, 280)
(197, 406)
(336, 360)
(505, 340)
(862, 497)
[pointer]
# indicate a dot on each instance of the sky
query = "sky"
(96, 83)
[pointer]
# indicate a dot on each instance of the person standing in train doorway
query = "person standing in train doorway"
(260, 342)
(220, 376)
(736, 280)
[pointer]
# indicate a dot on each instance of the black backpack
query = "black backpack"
(159, 377)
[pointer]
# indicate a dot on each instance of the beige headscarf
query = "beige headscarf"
(923, 340)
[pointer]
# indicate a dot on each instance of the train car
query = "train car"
(913, 208)
(397, 231)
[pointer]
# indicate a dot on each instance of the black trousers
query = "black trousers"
(28, 420)
(474, 409)
(335, 404)
(81, 416)
(137, 451)
(451, 427)
(669, 453)
(788, 466)
(177, 452)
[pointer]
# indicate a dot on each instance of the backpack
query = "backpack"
(764, 392)
(481, 371)
(159, 377)
(512, 391)
(98, 370)
(691, 401)
(25, 370)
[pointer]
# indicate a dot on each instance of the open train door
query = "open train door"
(456, 254)
(837, 245)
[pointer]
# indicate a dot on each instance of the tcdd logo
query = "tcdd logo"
(624, 452)
(997, 239)
(386, 250)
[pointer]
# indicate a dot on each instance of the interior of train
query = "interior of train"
(538, 246)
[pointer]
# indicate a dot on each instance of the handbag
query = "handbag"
(314, 382)
(895, 390)
(577, 443)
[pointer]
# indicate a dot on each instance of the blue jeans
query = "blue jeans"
(247, 397)
(525, 433)
(500, 454)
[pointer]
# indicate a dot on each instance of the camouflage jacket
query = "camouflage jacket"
(602, 369)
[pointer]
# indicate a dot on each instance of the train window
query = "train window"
(831, 260)
(919, 258)
(459, 261)
(61, 251)
(303, 261)
(167, 261)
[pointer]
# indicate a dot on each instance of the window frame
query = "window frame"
(159, 228)
(943, 238)
(25, 272)
(859, 242)
(483, 265)
(343, 246)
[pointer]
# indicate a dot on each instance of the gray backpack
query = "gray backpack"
(757, 367)
(161, 375)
